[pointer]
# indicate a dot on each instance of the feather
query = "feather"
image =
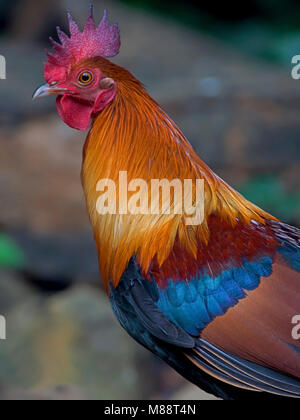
(135, 135)
(247, 375)
(134, 302)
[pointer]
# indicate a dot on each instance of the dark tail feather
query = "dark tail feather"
(242, 373)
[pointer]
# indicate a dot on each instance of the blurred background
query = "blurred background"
(224, 74)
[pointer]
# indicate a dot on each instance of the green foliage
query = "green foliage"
(11, 255)
(266, 29)
(261, 40)
(269, 193)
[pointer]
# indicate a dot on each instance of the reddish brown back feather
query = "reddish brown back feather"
(259, 327)
(227, 247)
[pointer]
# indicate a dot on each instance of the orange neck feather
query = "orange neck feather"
(134, 134)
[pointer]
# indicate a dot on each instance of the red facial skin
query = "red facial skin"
(82, 102)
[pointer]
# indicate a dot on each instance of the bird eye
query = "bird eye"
(85, 78)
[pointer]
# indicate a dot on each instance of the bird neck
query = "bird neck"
(135, 135)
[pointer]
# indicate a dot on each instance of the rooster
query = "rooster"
(216, 300)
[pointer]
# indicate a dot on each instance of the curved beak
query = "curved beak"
(46, 90)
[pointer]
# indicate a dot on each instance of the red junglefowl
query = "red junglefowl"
(215, 297)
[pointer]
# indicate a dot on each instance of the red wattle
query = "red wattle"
(75, 113)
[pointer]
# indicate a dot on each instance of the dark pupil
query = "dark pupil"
(85, 77)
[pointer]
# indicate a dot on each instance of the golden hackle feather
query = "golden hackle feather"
(134, 134)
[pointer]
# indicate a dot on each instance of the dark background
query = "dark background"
(223, 72)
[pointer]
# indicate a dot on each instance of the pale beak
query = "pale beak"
(46, 90)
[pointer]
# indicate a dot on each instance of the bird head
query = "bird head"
(73, 73)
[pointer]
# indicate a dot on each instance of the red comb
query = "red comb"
(103, 41)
